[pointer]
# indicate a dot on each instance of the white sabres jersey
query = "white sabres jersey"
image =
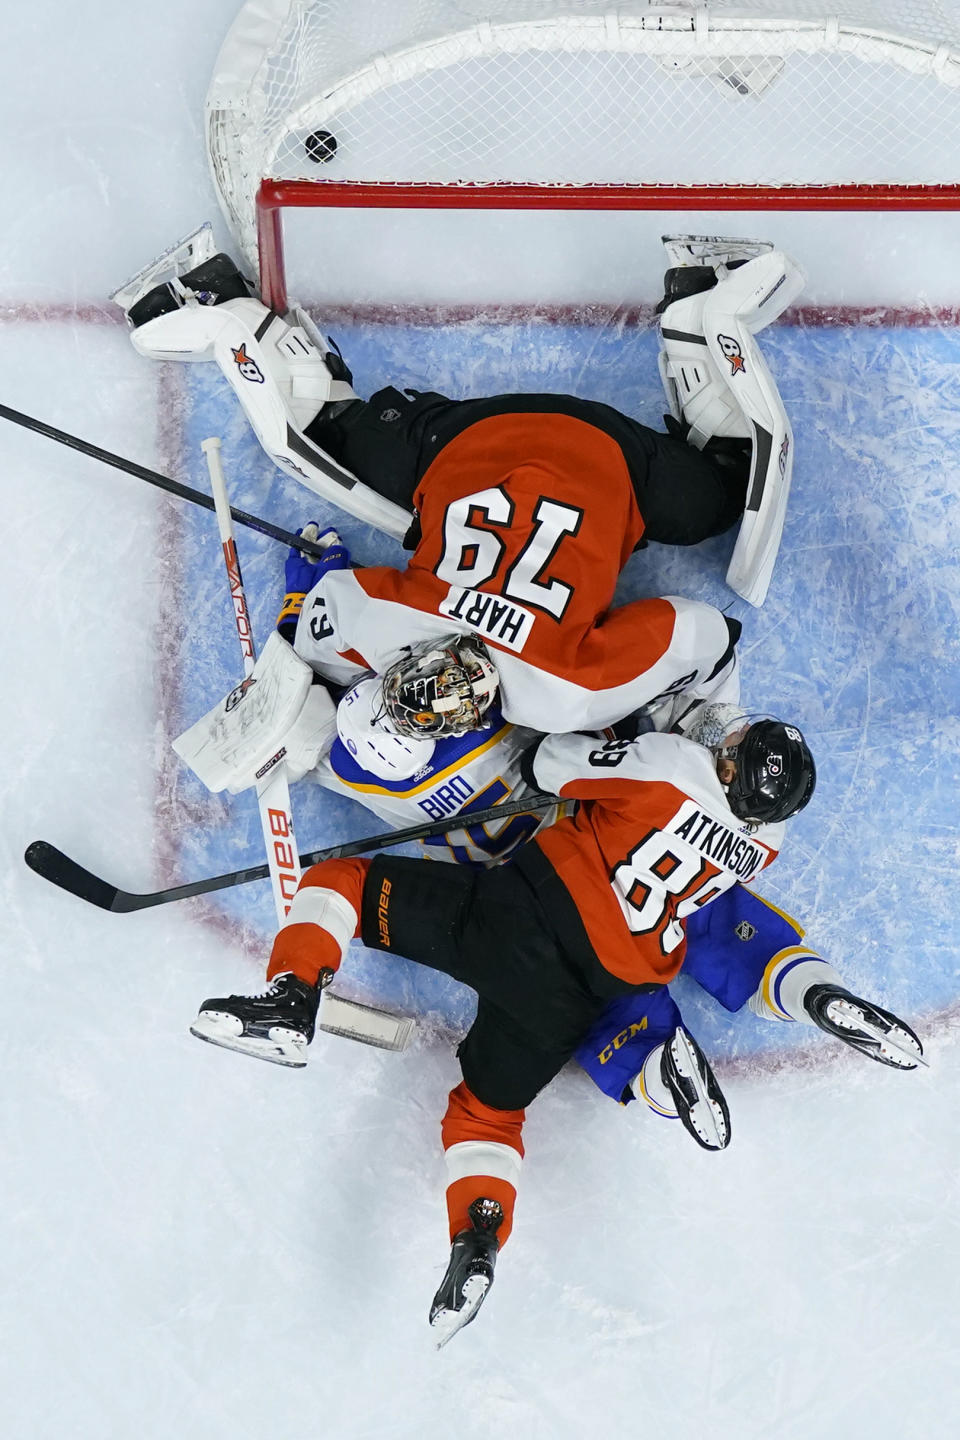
(450, 777)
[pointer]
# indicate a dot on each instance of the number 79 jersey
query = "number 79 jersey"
(652, 842)
(527, 521)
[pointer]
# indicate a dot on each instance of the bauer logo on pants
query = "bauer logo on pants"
(248, 368)
(383, 913)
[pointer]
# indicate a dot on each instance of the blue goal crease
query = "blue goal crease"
(859, 639)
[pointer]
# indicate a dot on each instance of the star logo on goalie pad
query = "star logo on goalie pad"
(248, 368)
(731, 349)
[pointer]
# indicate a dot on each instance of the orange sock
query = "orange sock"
(483, 1152)
(324, 917)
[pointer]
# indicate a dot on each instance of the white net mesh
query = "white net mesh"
(735, 92)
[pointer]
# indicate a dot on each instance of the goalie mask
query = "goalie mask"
(775, 772)
(440, 687)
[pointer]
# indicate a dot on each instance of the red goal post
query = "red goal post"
(581, 104)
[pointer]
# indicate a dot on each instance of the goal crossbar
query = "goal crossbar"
(274, 196)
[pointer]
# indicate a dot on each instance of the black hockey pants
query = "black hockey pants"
(491, 930)
(390, 440)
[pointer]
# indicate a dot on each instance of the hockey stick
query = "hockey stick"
(153, 477)
(46, 860)
(273, 792)
(367, 1023)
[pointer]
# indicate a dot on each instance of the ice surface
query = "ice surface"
(199, 1247)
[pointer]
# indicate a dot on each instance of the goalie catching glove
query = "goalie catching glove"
(276, 713)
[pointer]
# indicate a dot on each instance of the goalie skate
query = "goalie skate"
(276, 1025)
(186, 255)
(700, 1104)
(469, 1274)
(683, 250)
(865, 1027)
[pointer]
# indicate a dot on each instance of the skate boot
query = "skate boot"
(686, 1073)
(276, 1025)
(864, 1026)
(693, 261)
(190, 269)
(470, 1272)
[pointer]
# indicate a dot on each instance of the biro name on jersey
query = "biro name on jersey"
(489, 615)
(738, 853)
(447, 799)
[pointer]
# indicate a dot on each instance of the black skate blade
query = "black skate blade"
(861, 1031)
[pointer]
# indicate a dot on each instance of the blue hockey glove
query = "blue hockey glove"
(302, 572)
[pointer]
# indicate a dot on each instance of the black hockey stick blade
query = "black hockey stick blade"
(53, 865)
(60, 870)
(49, 862)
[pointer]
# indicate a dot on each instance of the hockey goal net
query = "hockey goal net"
(564, 104)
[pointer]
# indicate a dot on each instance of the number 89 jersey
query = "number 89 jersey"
(653, 842)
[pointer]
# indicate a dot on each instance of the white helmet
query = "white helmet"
(440, 687)
(373, 743)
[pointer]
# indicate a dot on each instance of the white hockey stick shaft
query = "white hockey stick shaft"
(273, 791)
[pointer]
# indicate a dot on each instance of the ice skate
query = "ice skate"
(470, 1272)
(686, 1073)
(712, 250)
(276, 1025)
(191, 269)
(864, 1026)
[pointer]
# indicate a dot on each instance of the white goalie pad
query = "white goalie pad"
(745, 302)
(276, 368)
(716, 379)
(276, 714)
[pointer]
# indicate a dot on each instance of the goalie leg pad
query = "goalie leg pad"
(716, 380)
(283, 377)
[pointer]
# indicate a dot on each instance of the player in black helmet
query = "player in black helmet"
(771, 772)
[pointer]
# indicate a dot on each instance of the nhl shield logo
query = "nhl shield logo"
(745, 931)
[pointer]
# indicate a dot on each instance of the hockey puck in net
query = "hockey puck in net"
(321, 146)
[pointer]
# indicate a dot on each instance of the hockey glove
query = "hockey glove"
(302, 572)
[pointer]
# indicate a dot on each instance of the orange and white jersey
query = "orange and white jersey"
(653, 841)
(527, 557)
